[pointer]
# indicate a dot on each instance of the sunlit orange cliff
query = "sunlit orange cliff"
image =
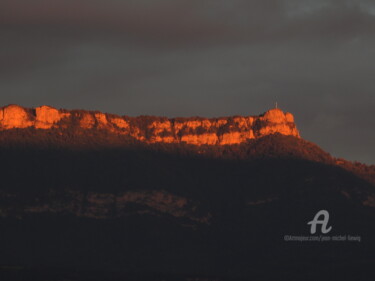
(193, 130)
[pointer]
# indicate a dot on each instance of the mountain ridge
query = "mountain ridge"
(99, 198)
(151, 129)
(245, 136)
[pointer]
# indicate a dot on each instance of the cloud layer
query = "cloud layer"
(210, 58)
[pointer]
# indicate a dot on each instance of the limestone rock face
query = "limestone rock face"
(120, 123)
(87, 121)
(206, 138)
(275, 116)
(243, 123)
(101, 119)
(236, 137)
(289, 117)
(47, 116)
(276, 121)
(14, 116)
(194, 130)
(161, 131)
(283, 129)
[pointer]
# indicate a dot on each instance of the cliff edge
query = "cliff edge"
(150, 129)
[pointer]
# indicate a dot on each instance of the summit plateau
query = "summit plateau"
(151, 129)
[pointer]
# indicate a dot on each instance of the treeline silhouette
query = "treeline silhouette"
(272, 146)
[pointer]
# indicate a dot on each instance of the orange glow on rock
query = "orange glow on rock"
(196, 130)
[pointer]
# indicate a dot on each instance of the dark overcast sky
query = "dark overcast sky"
(199, 57)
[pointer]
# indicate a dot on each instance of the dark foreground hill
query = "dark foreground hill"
(97, 207)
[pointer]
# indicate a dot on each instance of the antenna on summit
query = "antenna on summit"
(276, 105)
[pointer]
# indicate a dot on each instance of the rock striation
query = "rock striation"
(194, 130)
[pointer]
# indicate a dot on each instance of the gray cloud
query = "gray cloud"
(210, 58)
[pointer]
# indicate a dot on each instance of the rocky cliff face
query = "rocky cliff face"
(195, 130)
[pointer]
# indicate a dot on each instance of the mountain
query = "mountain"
(175, 199)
